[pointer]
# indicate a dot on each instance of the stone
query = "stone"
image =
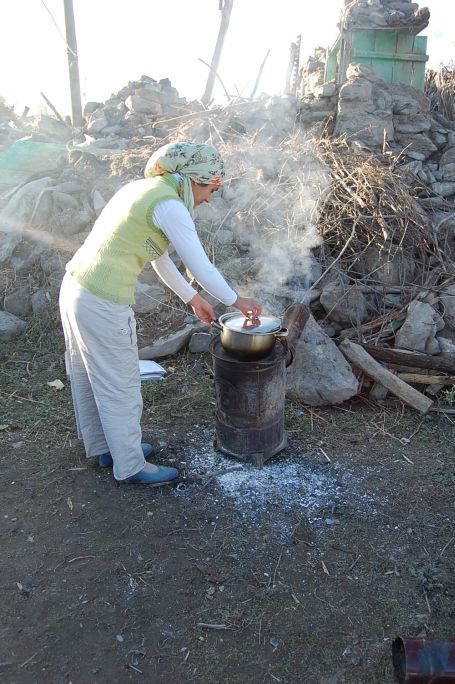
(447, 164)
(448, 173)
(224, 236)
(446, 340)
(448, 156)
(412, 166)
(149, 298)
(319, 374)
(10, 326)
(358, 91)
(25, 255)
(64, 201)
(373, 129)
(142, 105)
(51, 262)
(444, 189)
(73, 221)
(91, 107)
(40, 300)
(326, 90)
(412, 123)
(447, 299)
(418, 332)
(170, 345)
(388, 266)
(18, 302)
(408, 100)
(344, 303)
(98, 202)
(54, 128)
(438, 138)
(199, 342)
(97, 121)
(418, 146)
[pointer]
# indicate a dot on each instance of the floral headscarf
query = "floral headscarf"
(198, 162)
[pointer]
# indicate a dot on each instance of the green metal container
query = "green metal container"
(396, 55)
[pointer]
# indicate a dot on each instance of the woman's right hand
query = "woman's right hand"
(202, 309)
(247, 305)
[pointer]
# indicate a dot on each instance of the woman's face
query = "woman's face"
(202, 193)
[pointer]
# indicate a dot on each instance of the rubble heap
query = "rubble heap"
(342, 199)
(386, 13)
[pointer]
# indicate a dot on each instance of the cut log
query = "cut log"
(360, 358)
(440, 362)
(422, 379)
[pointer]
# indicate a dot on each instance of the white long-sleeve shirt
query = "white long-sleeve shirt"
(174, 219)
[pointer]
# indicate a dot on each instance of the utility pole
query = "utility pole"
(226, 8)
(73, 64)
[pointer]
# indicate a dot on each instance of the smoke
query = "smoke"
(272, 198)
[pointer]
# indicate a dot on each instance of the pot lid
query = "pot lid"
(255, 326)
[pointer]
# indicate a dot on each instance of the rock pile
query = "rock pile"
(386, 13)
(358, 224)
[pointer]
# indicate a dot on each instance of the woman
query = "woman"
(137, 225)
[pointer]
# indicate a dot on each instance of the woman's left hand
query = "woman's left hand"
(202, 309)
(247, 305)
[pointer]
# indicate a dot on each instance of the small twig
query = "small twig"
(354, 563)
(273, 578)
(29, 659)
(16, 396)
(326, 456)
(207, 625)
(218, 77)
(446, 546)
(79, 558)
(135, 668)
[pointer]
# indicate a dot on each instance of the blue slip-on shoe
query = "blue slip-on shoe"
(105, 460)
(162, 476)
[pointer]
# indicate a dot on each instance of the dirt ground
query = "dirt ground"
(301, 572)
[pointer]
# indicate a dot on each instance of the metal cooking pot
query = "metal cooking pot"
(249, 337)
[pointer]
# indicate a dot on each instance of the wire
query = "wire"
(56, 26)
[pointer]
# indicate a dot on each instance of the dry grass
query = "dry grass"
(371, 203)
(440, 89)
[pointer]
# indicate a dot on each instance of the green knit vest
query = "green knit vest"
(123, 239)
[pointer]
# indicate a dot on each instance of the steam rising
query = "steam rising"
(273, 193)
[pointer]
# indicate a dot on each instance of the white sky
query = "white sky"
(120, 41)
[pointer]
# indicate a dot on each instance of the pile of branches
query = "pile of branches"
(371, 203)
(440, 89)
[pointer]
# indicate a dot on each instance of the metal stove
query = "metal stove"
(250, 400)
(250, 395)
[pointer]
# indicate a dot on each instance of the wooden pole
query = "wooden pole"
(51, 106)
(258, 78)
(73, 64)
(226, 10)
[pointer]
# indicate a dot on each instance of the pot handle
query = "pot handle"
(282, 335)
(216, 324)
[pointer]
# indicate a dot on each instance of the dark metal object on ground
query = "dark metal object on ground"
(423, 661)
(250, 393)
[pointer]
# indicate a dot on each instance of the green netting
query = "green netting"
(26, 158)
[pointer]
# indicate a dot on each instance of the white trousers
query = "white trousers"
(103, 365)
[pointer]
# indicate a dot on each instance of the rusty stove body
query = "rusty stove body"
(250, 395)
(250, 400)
